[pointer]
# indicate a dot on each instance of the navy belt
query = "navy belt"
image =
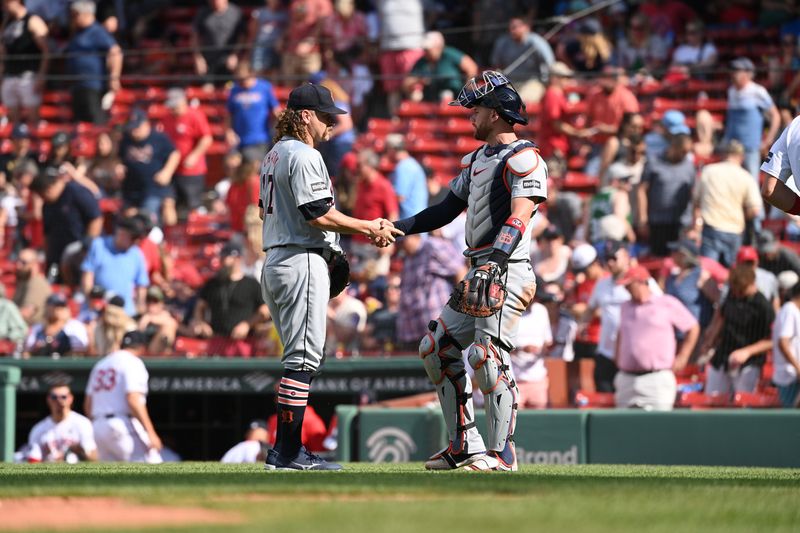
(326, 253)
(473, 261)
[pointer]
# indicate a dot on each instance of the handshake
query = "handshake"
(382, 232)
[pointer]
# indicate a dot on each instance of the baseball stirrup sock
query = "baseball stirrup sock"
(292, 400)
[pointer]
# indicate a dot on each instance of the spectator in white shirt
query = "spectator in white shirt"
(253, 449)
(786, 348)
(64, 436)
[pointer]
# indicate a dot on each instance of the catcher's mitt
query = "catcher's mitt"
(482, 295)
(339, 270)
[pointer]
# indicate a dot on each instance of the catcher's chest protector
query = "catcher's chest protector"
(489, 202)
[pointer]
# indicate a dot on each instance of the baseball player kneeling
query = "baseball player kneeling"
(116, 396)
(500, 185)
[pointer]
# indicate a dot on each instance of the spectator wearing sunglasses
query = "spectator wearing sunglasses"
(64, 436)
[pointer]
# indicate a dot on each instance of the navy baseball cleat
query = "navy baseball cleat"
(305, 460)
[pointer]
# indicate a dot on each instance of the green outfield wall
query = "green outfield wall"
(724, 437)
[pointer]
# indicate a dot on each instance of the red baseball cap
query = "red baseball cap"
(637, 273)
(746, 253)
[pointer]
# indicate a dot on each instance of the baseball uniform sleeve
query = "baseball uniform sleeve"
(86, 432)
(135, 377)
(309, 178)
(460, 184)
(778, 162)
(36, 433)
(526, 175)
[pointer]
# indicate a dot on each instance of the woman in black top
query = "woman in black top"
(740, 334)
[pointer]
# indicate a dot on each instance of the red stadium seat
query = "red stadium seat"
(699, 400)
(190, 347)
(757, 399)
(590, 400)
(7, 347)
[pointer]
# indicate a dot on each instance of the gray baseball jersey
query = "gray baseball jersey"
(490, 177)
(293, 174)
(295, 282)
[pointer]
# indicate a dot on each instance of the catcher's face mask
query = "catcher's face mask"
(493, 90)
(477, 89)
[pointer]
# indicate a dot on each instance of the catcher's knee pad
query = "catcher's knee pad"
(442, 358)
(493, 374)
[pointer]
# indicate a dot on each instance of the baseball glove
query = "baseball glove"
(339, 271)
(482, 295)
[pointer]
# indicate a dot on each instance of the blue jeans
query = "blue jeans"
(788, 394)
(720, 246)
(752, 162)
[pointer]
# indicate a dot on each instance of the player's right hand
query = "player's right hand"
(382, 232)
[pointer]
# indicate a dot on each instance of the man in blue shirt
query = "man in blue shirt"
(747, 104)
(150, 160)
(95, 59)
(251, 106)
(408, 178)
(116, 264)
(70, 213)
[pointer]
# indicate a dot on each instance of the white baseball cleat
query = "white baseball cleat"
(444, 460)
(507, 459)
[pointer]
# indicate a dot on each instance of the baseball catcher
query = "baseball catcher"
(500, 185)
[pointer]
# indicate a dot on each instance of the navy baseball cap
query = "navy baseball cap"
(59, 139)
(231, 249)
(313, 97)
(135, 338)
(21, 131)
(137, 118)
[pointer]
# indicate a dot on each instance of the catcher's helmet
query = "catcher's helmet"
(494, 91)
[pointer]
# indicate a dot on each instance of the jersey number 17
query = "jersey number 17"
(269, 186)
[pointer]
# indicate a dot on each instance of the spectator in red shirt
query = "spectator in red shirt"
(606, 106)
(342, 30)
(243, 192)
(188, 129)
(554, 130)
(375, 197)
(301, 51)
(588, 271)
(667, 16)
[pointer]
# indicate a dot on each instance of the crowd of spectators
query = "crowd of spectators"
(674, 189)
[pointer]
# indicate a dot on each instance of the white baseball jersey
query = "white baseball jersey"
(293, 174)
(245, 452)
(50, 440)
(111, 379)
(783, 159)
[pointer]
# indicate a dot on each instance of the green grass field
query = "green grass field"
(405, 498)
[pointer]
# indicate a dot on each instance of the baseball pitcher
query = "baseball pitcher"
(305, 266)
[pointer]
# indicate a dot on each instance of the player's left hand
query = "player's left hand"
(482, 295)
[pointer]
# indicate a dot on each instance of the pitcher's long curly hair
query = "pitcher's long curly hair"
(291, 123)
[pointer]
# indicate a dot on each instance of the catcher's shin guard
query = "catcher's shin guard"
(444, 365)
(493, 374)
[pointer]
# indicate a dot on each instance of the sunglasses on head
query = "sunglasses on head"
(59, 396)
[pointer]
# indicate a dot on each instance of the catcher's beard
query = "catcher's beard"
(481, 132)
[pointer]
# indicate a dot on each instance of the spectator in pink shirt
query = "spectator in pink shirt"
(647, 353)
